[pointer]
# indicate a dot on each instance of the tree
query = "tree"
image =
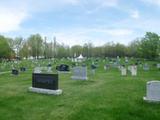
(18, 41)
(87, 49)
(5, 51)
(35, 43)
(133, 48)
(24, 51)
(149, 46)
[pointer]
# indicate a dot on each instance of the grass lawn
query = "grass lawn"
(105, 96)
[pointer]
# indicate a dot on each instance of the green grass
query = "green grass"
(105, 96)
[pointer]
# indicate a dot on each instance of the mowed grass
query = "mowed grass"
(105, 96)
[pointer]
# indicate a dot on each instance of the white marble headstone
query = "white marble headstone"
(123, 71)
(134, 70)
(153, 91)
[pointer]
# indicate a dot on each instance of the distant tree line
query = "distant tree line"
(37, 47)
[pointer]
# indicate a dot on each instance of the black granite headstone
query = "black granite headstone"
(15, 72)
(23, 69)
(45, 81)
(62, 67)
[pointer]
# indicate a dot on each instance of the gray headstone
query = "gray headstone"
(79, 73)
(153, 91)
(37, 70)
(146, 67)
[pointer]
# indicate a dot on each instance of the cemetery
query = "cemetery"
(36, 92)
(79, 60)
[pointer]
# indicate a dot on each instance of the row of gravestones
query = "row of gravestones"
(64, 68)
(48, 84)
(132, 69)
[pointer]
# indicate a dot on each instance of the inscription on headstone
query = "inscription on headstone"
(46, 81)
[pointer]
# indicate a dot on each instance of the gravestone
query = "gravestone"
(22, 69)
(93, 68)
(123, 70)
(49, 70)
(106, 67)
(37, 70)
(63, 68)
(126, 59)
(146, 67)
(133, 70)
(158, 66)
(15, 72)
(153, 91)
(45, 83)
(79, 73)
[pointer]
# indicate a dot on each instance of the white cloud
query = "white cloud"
(111, 3)
(11, 16)
(155, 2)
(14, 13)
(97, 36)
(135, 14)
(119, 32)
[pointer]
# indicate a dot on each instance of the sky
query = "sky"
(75, 22)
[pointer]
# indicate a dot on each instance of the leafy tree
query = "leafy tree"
(17, 42)
(149, 46)
(35, 43)
(5, 51)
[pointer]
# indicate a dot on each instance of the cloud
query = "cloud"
(110, 3)
(135, 14)
(97, 36)
(14, 13)
(154, 2)
(119, 32)
(11, 16)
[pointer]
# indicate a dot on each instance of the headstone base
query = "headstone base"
(45, 91)
(79, 78)
(151, 100)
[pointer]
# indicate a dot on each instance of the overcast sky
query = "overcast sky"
(80, 21)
